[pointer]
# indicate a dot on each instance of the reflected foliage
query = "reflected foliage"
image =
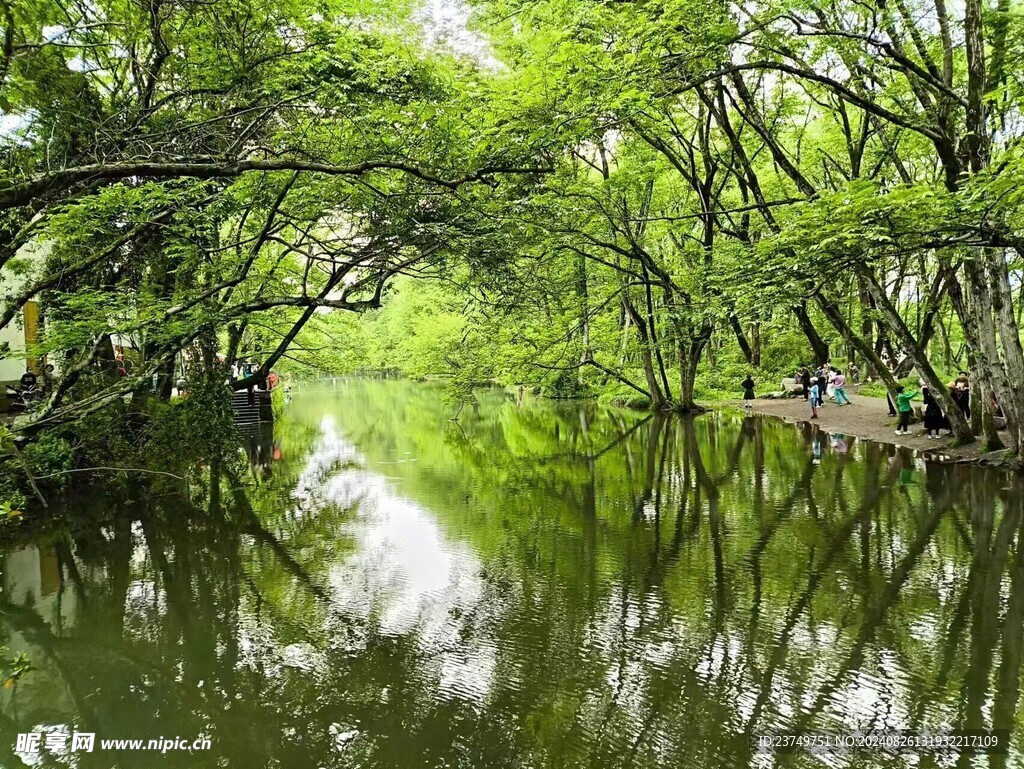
(536, 585)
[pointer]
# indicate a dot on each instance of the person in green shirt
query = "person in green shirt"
(903, 406)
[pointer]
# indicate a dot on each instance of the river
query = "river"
(536, 585)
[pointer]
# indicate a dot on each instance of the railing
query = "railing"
(252, 407)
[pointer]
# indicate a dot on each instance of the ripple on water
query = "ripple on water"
(405, 577)
(532, 589)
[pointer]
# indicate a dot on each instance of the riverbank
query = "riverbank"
(868, 418)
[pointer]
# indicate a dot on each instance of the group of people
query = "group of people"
(828, 383)
(935, 421)
(824, 383)
(243, 369)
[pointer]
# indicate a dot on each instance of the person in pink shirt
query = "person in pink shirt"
(839, 388)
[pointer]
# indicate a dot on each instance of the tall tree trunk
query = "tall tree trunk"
(835, 317)
(926, 325)
(947, 349)
(872, 363)
(982, 406)
(1009, 338)
(658, 399)
(741, 339)
(653, 333)
(981, 390)
(583, 295)
(689, 359)
(976, 136)
(818, 344)
(980, 333)
(895, 323)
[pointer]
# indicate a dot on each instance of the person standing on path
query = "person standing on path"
(903, 399)
(748, 390)
(961, 392)
(805, 382)
(822, 384)
(814, 399)
(933, 419)
(839, 388)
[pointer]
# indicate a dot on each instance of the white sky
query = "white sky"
(446, 24)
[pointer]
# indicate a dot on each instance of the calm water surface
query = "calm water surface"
(544, 585)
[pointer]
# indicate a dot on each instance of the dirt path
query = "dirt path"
(864, 418)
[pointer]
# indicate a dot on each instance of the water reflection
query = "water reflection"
(537, 585)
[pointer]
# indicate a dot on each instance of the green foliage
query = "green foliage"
(51, 456)
(199, 425)
(621, 395)
(602, 200)
(723, 382)
(13, 668)
(873, 389)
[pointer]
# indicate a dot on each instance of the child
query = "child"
(748, 390)
(815, 392)
(903, 406)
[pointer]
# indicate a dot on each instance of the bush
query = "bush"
(51, 455)
(565, 385)
(724, 382)
(619, 394)
(874, 389)
(200, 425)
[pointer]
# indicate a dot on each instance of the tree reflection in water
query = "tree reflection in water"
(546, 585)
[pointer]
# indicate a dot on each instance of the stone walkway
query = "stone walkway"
(864, 418)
